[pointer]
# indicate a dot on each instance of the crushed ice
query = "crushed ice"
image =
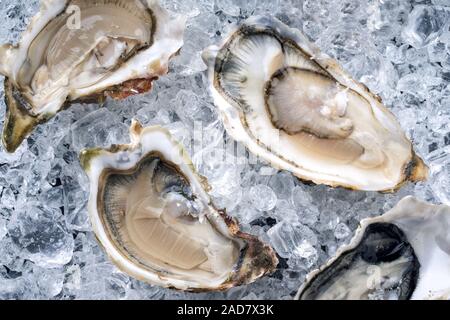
(400, 49)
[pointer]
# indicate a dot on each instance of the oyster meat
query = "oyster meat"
(151, 213)
(295, 107)
(83, 49)
(403, 254)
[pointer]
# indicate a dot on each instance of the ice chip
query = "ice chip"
(425, 24)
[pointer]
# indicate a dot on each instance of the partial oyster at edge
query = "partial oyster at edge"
(151, 213)
(295, 107)
(77, 50)
(403, 254)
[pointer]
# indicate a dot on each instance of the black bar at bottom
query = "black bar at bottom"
(200, 309)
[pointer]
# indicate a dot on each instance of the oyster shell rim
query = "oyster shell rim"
(396, 213)
(256, 258)
(229, 109)
(15, 116)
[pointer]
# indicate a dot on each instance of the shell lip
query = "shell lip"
(256, 259)
(233, 117)
(408, 212)
(19, 123)
(135, 75)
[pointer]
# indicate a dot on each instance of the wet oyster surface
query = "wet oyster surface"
(295, 107)
(152, 214)
(162, 223)
(306, 224)
(384, 261)
(75, 50)
(402, 254)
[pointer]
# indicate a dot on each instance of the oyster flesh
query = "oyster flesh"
(84, 49)
(295, 107)
(403, 254)
(151, 212)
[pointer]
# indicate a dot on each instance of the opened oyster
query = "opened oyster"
(153, 216)
(80, 49)
(403, 254)
(296, 108)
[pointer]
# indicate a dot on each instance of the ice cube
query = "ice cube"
(100, 128)
(425, 24)
(262, 197)
(292, 239)
(42, 235)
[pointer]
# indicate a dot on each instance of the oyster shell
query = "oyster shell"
(84, 49)
(151, 212)
(293, 106)
(403, 254)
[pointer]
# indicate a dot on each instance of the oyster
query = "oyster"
(151, 212)
(403, 254)
(82, 49)
(293, 106)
